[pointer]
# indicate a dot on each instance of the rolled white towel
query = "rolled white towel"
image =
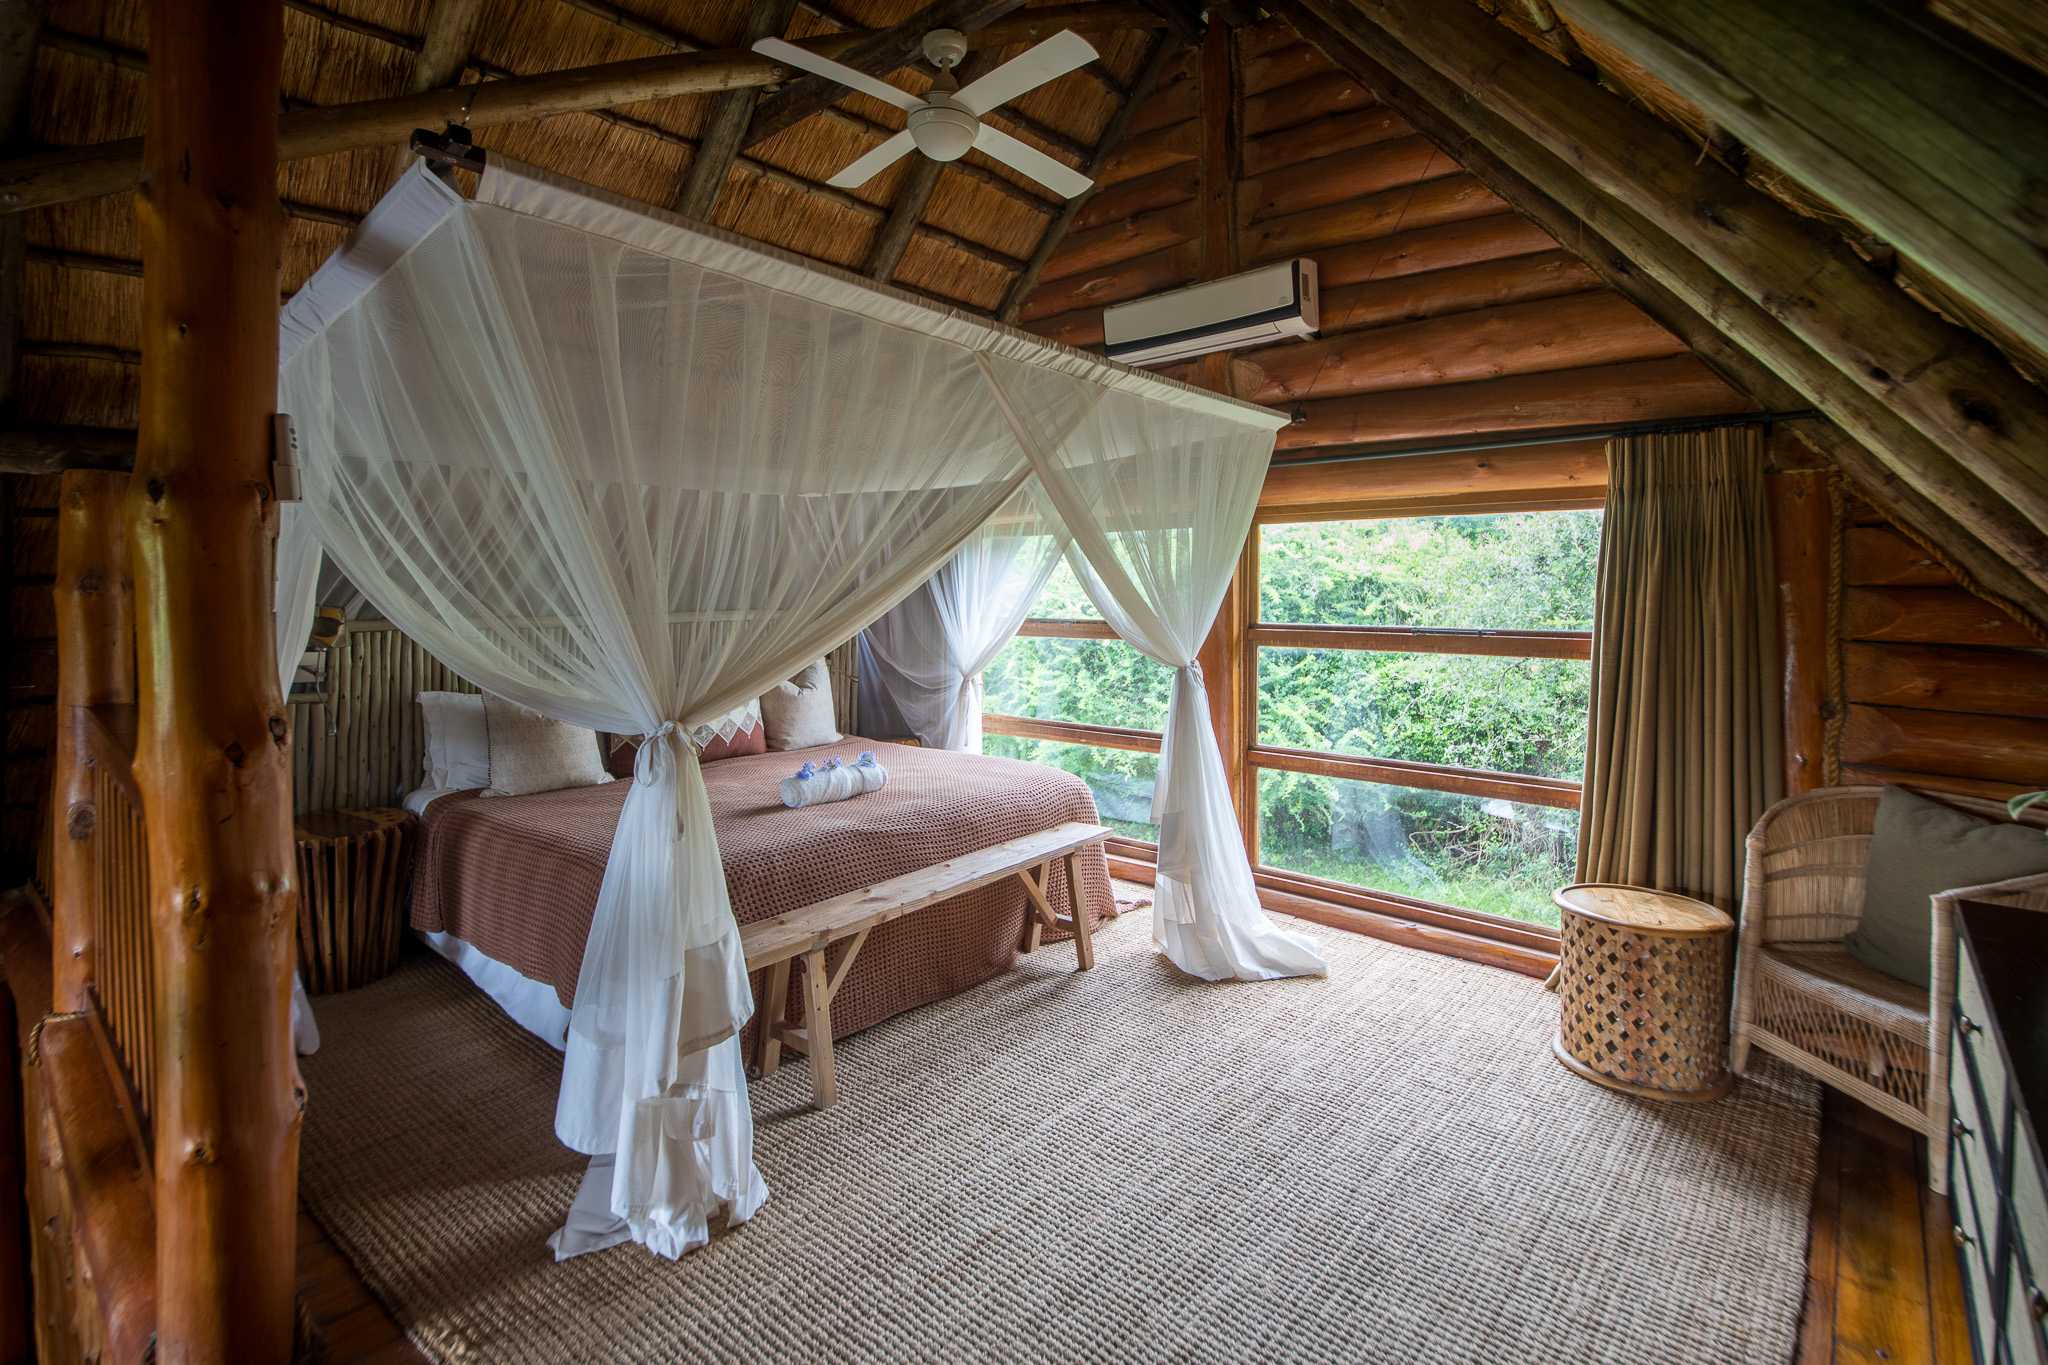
(873, 776)
(806, 788)
(815, 784)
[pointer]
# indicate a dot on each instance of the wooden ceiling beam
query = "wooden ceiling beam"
(444, 47)
(62, 175)
(1730, 333)
(1864, 105)
(1955, 389)
(1164, 49)
(876, 54)
(725, 132)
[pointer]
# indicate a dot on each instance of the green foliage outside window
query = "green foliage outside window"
(1520, 571)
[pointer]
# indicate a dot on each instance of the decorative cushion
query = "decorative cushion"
(458, 747)
(531, 753)
(1920, 847)
(798, 714)
(751, 737)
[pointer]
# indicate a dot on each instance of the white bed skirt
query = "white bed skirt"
(532, 1004)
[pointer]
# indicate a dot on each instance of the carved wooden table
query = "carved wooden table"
(1643, 977)
(354, 870)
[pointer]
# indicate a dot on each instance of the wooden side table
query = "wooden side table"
(354, 869)
(1644, 980)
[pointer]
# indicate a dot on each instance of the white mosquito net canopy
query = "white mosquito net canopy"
(630, 472)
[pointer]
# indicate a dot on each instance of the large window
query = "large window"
(1067, 692)
(1419, 689)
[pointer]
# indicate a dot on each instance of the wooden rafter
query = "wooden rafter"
(1619, 244)
(725, 132)
(1911, 137)
(66, 174)
(444, 47)
(1161, 54)
(1982, 425)
(877, 54)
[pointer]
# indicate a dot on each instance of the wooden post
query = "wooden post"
(1802, 537)
(213, 752)
(17, 1340)
(95, 667)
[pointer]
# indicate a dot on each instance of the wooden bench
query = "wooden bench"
(776, 944)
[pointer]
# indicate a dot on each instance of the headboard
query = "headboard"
(364, 743)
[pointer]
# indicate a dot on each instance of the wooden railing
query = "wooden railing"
(124, 966)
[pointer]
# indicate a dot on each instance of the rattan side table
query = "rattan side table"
(355, 867)
(1643, 977)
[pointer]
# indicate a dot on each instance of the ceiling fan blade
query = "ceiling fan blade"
(866, 168)
(1050, 60)
(789, 54)
(1019, 156)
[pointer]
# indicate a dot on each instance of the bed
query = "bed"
(506, 887)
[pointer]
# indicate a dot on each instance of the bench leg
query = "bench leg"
(818, 1030)
(774, 1010)
(1037, 909)
(1084, 932)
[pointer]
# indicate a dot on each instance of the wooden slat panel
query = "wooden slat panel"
(1996, 682)
(1985, 747)
(1879, 555)
(1928, 616)
(1860, 774)
(1573, 468)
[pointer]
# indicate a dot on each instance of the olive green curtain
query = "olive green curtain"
(1683, 750)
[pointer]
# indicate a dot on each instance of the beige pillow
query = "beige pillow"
(798, 714)
(531, 753)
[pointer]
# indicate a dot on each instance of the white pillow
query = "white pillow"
(799, 713)
(531, 753)
(458, 748)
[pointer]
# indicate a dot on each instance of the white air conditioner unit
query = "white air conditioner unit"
(1268, 304)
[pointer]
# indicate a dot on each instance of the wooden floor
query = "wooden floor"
(352, 1325)
(1882, 1284)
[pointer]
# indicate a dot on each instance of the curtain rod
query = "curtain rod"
(1561, 436)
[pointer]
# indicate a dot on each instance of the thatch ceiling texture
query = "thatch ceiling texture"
(966, 244)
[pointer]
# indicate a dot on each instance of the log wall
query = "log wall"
(1445, 314)
(1930, 684)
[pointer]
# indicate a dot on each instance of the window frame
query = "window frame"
(1471, 641)
(1137, 851)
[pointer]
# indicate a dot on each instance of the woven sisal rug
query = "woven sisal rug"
(1125, 1164)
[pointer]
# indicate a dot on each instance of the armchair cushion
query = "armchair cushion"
(1918, 848)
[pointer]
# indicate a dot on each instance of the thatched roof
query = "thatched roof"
(82, 290)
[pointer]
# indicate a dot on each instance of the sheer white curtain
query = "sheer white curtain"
(298, 576)
(1158, 503)
(630, 491)
(921, 664)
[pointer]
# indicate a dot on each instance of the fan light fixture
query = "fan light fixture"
(947, 123)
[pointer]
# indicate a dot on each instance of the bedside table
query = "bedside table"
(355, 867)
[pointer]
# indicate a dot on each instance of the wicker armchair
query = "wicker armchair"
(1800, 995)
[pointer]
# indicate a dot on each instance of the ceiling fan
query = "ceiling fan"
(948, 121)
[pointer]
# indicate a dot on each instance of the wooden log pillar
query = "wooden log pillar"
(1802, 541)
(17, 1309)
(213, 749)
(95, 667)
